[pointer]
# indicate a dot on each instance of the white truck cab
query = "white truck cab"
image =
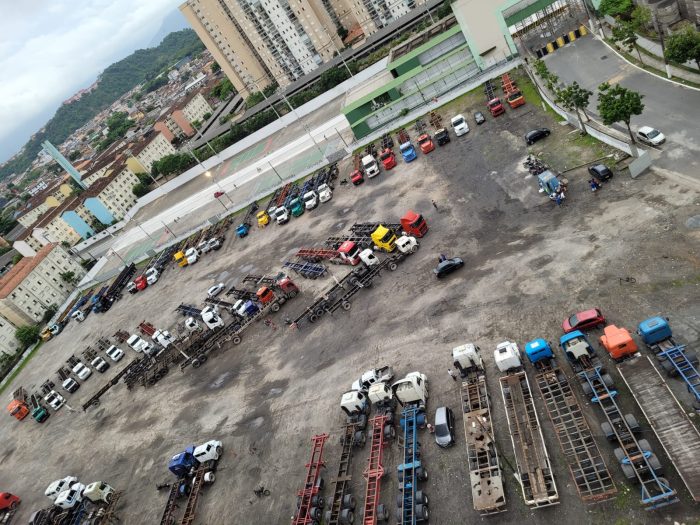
(407, 244)
(212, 319)
(55, 400)
(507, 356)
(310, 200)
(380, 394)
(58, 486)
(192, 255)
(281, 215)
(369, 164)
(138, 344)
(375, 375)
(412, 389)
(466, 357)
(203, 247)
(114, 353)
(367, 256)
(163, 338)
(78, 316)
(70, 498)
(98, 491)
(152, 275)
(353, 403)
(209, 451)
(192, 325)
(324, 193)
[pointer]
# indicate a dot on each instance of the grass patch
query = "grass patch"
(17, 370)
(625, 498)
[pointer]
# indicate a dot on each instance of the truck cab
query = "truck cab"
(180, 259)
(412, 390)
(141, 283)
(357, 178)
(548, 183)
(538, 350)
(354, 403)
(496, 107)
(99, 491)
(442, 136)
(55, 400)
(245, 308)
(654, 330)
(215, 242)
(368, 258)
(370, 377)
(370, 166)
(152, 275)
(242, 230)
(466, 357)
(414, 224)
(407, 244)
(181, 464)
(349, 252)
(324, 193)
(281, 215)
(18, 409)
(203, 247)
(40, 414)
(507, 356)
(388, 159)
(381, 395)
(296, 206)
(426, 143)
(192, 255)
(163, 338)
(138, 345)
(209, 451)
(576, 348)
(58, 486)
(210, 317)
(618, 342)
(384, 239)
(310, 200)
(78, 315)
(263, 218)
(408, 152)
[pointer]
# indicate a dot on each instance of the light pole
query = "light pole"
(138, 224)
(273, 169)
(308, 131)
(167, 229)
(330, 38)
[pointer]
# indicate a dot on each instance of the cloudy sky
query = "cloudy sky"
(51, 48)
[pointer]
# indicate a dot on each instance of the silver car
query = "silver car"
(444, 427)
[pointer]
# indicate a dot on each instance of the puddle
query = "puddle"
(219, 381)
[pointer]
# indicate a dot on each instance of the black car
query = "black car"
(479, 118)
(448, 266)
(600, 172)
(444, 427)
(442, 137)
(536, 134)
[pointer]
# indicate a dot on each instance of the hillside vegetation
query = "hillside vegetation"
(141, 66)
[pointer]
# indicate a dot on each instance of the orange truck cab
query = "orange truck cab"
(496, 107)
(618, 342)
(18, 409)
(414, 224)
(357, 177)
(265, 295)
(426, 143)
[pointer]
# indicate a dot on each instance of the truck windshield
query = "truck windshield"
(370, 164)
(457, 122)
(386, 155)
(573, 320)
(417, 222)
(387, 236)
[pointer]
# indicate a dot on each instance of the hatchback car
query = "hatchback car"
(100, 365)
(448, 266)
(479, 118)
(600, 172)
(459, 124)
(536, 134)
(114, 353)
(216, 290)
(444, 427)
(651, 136)
(583, 320)
(82, 371)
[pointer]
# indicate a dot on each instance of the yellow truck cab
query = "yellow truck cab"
(384, 239)
(263, 218)
(181, 259)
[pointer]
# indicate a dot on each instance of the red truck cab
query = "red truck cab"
(426, 143)
(496, 107)
(388, 159)
(414, 224)
(287, 286)
(349, 252)
(357, 177)
(8, 501)
(141, 282)
(265, 295)
(618, 342)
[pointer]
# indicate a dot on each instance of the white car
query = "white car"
(114, 353)
(651, 136)
(58, 486)
(82, 371)
(70, 385)
(100, 365)
(55, 400)
(216, 290)
(211, 450)
(459, 124)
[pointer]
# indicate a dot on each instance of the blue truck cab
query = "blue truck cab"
(242, 230)
(408, 152)
(654, 330)
(182, 463)
(251, 308)
(538, 350)
(575, 345)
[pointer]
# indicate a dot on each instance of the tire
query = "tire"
(313, 318)
(587, 390)
(315, 513)
(668, 368)
(236, 339)
(196, 363)
(389, 432)
(619, 454)
(632, 423)
(607, 430)
(421, 498)
(655, 464)
(203, 358)
(219, 451)
(422, 513)
(346, 305)
(327, 516)
(354, 281)
(292, 294)
(361, 422)
(414, 249)
(349, 502)
(628, 471)
(109, 497)
(13, 505)
(393, 266)
(266, 492)
(422, 474)
(275, 307)
(382, 512)
(347, 516)
(319, 311)
(209, 477)
(607, 380)
(691, 356)
(318, 501)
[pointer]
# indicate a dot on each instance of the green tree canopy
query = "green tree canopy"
(615, 7)
(173, 164)
(684, 46)
(575, 98)
(619, 104)
(27, 335)
(68, 277)
(625, 34)
(140, 189)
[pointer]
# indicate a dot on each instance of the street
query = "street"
(672, 109)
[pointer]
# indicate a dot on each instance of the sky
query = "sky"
(49, 49)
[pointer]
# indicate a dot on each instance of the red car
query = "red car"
(357, 177)
(583, 320)
(218, 194)
(8, 501)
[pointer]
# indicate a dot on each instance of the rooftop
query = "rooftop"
(19, 271)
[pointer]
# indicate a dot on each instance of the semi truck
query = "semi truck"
(492, 101)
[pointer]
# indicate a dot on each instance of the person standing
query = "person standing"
(435, 204)
(452, 374)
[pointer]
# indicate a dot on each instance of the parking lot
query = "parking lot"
(529, 263)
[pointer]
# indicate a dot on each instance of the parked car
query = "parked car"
(448, 266)
(8, 501)
(583, 320)
(459, 124)
(536, 134)
(100, 365)
(600, 172)
(479, 118)
(444, 427)
(82, 371)
(70, 385)
(216, 290)
(114, 353)
(651, 136)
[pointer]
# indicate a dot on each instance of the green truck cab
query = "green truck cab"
(296, 207)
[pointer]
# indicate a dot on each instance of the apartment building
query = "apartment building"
(42, 202)
(117, 195)
(8, 342)
(177, 120)
(34, 284)
(257, 42)
(154, 147)
(97, 170)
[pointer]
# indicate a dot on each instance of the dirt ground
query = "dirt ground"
(528, 265)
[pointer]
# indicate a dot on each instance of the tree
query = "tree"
(140, 189)
(27, 335)
(684, 46)
(624, 33)
(49, 313)
(17, 258)
(615, 7)
(73, 155)
(173, 164)
(206, 116)
(641, 17)
(575, 98)
(215, 68)
(619, 104)
(68, 277)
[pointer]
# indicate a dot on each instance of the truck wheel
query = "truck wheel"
(203, 359)
(422, 513)
(382, 512)
(196, 363)
(361, 422)
(586, 388)
(109, 497)
(313, 318)
(421, 498)
(422, 474)
(327, 516)
(414, 249)
(389, 432)
(655, 464)
(275, 307)
(315, 513)
(292, 294)
(607, 430)
(346, 305)
(632, 423)
(619, 454)
(219, 451)
(209, 477)
(318, 501)
(393, 266)
(347, 516)
(354, 281)
(349, 502)
(236, 339)
(607, 380)
(628, 471)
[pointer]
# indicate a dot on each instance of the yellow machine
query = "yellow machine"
(181, 259)
(46, 334)
(263, 218)
(384, 238)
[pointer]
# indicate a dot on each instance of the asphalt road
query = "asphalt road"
(672, 109)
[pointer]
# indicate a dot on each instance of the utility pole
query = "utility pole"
(663, 46)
